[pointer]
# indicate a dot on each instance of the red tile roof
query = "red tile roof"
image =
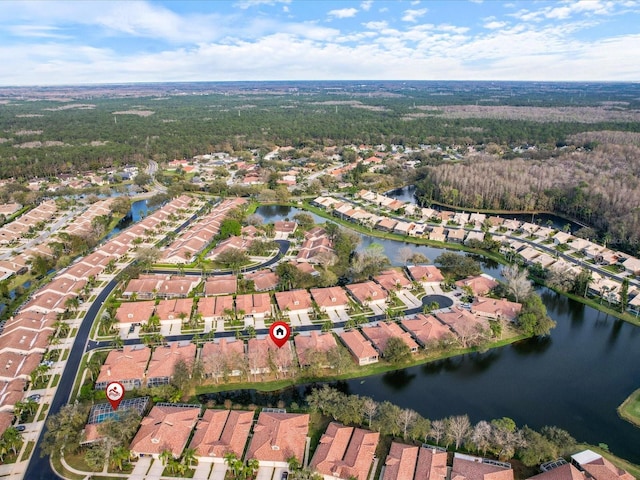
(315, 342)
(135, 312)
(480, 284)
(293, 300)
(330, 297)
(279, 436)
(563, 472)
(165, 428)
(496, 308)
(358, 345)
(221, 285)
(171, 309)
(426, 273)
(381, 333)
(263, 279)
(164, 359)
(464, 469)
(391, 280)
(367, 292)
(426, 328)
(222, 431)
(129, 363)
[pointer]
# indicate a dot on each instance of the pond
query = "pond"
(137, 212)
(575, 378)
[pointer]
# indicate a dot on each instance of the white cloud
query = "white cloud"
(494, 25)
(343, 12)
(375, 25)
(244, 4)
(36, 31)
(366, 5)
(412, 15)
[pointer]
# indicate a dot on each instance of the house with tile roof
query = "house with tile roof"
(465, 324)
(164, 359)
(466, 467)
(126, 366)
(283, 229)
(221, 285)
(563, 472)
(392, 280)
(255, 306)
(278, 437)
(410, 462)
(599, 468)
(428, 275)
(330, 298)
(174, 312)
(496, 308)
(427, 329)
(219, 432)
(166, 427)
(361, 348)
(24, 341)
(215, 308)
(438, 234)
(264, 357)
(130, 313)
(345, 452)
(263, 280)
(380, 334)
(455, 235)
(294, 302)
(368, 293)
(309, 343)
(223, 357)
(479, 284)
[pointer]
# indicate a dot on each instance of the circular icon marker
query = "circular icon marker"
(280, 333)
(115, 394)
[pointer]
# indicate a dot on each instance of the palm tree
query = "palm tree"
(165, 456)
(252, 468)
(119, 456)
(189, 456)
(117, 342)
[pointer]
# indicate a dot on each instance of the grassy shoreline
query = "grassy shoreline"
(629, 410)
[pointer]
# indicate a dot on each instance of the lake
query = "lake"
(575, 378)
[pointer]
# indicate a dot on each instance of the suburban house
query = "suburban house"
(455, 235)
(164, 359)
(561, 237)
(392, 280)
(308, 343)
(329, 298)
(382, 332)
(130, 313)
(410, 462)
(386, 224)
(255, 306)
(428, 275)
(126, 366)
(496, 308)
(426, 329)
(466, 467)
(565, 471)
(369, 294)
(167, 427)
(283, 229)
(294, 302)
(438, 234)
(228, 244)
(24, 341)
(175, 311)
(462, 321)
(221, 285)
(222, 357)
(263, 280)
(598, 467)
(215, 308)
(277, 437)
(315, 246)
(345, 452)
(264, 356)
(219, 432)
(479, 285)
(360, 347)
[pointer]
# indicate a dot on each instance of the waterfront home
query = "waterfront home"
(164, 359)
(427, 329)
(308, 344)
(403, 228)
(361, 348)
(221, 285)
(219, 432)
(263, 280)
(345, 452)
(466, 467)
(166, 427)
(428, 275)
(437, 234)
(386, 224)
(474, 235)
(277, 437)
(223, 357)
(455, 235)
(565, 471)
(479, 284)
(464, 323)
(264, 357)
(598, 468)
(410, 462)
(284, 229)
(495, 308)
(380, 334)
(126, 366)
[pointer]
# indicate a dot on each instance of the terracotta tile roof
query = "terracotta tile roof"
(603, 469)
(345, 452)
(259, 350)
(25, 341)
(563, 472)
(256, 303)
(47, 302)
(164, 359)
(171, 309)
(285, 227)
(367, 292)
(293, 300)
(432, 464)
(17, 365)
(31, 320)
(165, 428)
(279, 436)
(6, 419)
(215, 306)
(221, 285)
(392, 280)
(426, 273)
(382, 332)
(471, 470)
(401, 462)
(480, 284)
(222, 348)
(426, 328)
(304, 267)
(330, 297)
(129, 363)
(358, 345)
(62, 285)
(496, 308)
(263, 279)
(222, 431)
(11, 392)
(135, 312)
(306, 344)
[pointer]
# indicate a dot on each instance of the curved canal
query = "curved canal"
(575, 379)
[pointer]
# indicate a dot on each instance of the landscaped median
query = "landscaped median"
(630, 409)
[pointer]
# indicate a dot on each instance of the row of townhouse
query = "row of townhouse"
(26, 335)
(83, 223)
(194, 239)
(15, 230)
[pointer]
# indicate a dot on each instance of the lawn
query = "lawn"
(630, 408)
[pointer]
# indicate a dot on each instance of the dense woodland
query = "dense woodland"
(568, 148)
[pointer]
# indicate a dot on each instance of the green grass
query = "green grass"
(630, 408)
(27, 451)
(59, 468)
(43, 412)
(56, 379)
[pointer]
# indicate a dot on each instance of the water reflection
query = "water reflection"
(398, 380)
(530, 346)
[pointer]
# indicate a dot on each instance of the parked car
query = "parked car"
(284, 476)
(21, 428)
(35, 397)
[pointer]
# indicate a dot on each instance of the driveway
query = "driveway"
(377, 308)
(202, 471)
(218, 472)
(156, 470)
(408, 298)
(265, 473)
(140, 470)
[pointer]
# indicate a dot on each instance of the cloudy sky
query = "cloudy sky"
(52, 42)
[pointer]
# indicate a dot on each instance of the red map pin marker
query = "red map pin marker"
(280, 333)
(115, 394)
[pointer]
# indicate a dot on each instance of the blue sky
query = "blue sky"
(51, 42)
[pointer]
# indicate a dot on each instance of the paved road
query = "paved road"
(40, 468)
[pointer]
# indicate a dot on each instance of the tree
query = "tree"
(304, 220)
(142, 179)
(405, 254)
(181, 378)
(147, 256)
(624, 295)
(517, 282)
(229, 227)
(581, 282)
(458, 428)
(233, 259)
(481, 436)
(370, 408)
(64, 430)
(369, 262)
(459, 266)
(533, 318)
(397, 351)
(405, 419)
